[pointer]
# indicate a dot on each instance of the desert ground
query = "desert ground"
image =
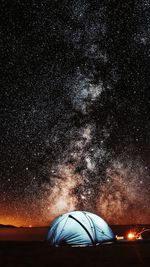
(23, 247)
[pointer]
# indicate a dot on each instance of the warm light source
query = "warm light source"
(131, 236)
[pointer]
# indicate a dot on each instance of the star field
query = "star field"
(75, 110)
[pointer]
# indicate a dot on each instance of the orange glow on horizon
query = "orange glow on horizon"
(19, 214)
(20, 222)
(11, 221)
(23, 222)
(21, 217)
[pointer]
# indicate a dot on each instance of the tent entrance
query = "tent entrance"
(83, 228)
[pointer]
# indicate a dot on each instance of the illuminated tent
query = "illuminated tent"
(79, 228)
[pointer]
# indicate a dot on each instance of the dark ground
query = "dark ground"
(34, 251)
(23, 254)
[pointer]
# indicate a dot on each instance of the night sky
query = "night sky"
(75, 110)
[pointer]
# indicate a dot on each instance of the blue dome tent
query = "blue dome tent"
(79, 228)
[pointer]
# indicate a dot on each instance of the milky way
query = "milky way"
(75, 110)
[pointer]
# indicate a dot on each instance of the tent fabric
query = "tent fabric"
(79, 228)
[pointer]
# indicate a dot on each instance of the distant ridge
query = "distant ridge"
(7, 226)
